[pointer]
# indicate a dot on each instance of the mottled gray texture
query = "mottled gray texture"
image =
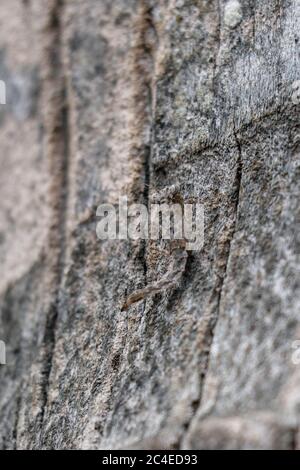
(181, 101)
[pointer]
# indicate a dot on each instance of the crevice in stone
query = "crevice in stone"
(144, 53)
(239, 171)
(212, 322)
(59, 155)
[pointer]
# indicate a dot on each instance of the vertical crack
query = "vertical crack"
(227, 250)
(211, 323)
(149, 85)
(57, 134)
(145, 109)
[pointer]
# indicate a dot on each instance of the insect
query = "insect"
(169, 281)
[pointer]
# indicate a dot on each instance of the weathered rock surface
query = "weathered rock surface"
(187, 100)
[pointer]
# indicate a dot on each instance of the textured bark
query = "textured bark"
(174, 100)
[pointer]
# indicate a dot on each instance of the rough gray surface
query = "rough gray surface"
(181, 100)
